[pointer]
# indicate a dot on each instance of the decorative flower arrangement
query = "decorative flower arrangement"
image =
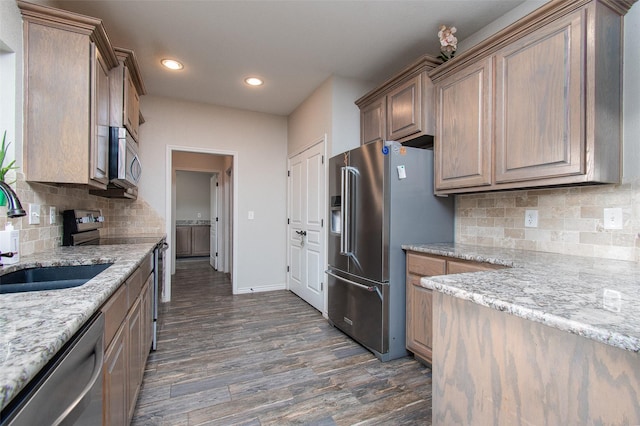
(5, 169)
(3, 153)
(448, 42)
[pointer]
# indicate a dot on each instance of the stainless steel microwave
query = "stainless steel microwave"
(125, 168)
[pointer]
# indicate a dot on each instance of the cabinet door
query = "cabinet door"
(419, 328)
(183, 241)
(419, 304)
(373, 122)
(404, 109)
(147, 318)
(131, 106)
(57, 133)
(115, 410)
(134, 324)
(464, 138)
(99, 165)
(200, 241)
(539, 108)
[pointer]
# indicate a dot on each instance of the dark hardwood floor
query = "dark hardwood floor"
(267, 359)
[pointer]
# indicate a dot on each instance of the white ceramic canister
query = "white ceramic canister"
(10, 242)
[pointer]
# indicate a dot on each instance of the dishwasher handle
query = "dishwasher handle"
(95, 375)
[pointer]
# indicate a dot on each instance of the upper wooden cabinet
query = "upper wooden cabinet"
(66, 59)
(464, 122)
(554, 114)
(126, 89)
(401, 109)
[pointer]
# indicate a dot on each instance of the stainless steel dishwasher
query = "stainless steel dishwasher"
(68, 391)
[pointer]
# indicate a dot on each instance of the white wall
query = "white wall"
(260, 141)
(346, 114)
(11, 89)
(505, 20)
(329, 110)
(193, 198)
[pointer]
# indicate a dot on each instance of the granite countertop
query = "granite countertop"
(35, 325)
(591, 297)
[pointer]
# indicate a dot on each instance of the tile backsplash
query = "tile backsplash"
(570, 220)
(122, 217)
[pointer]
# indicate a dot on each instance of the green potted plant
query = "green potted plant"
(5, 169)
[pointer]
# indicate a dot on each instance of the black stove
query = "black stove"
(81, 227)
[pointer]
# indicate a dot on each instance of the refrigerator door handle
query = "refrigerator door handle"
(366, 287)
(344, 211)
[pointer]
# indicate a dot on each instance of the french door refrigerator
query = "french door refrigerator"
(380, 197)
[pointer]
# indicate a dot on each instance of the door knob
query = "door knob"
(303, 233)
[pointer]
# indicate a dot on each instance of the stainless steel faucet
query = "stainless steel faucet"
(14, 208)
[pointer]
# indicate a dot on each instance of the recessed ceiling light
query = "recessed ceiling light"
(172, 64)
(253, 81)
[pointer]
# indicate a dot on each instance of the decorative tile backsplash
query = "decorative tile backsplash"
(122, 217)
(570, 220)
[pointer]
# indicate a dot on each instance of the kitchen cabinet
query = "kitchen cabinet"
(419, 320)
(66, 61)
(373, 123)
(128, 325)
(126, 88)
(192, 240)
(115, 407)
(401, 109)
(464, 116)
(554, 114)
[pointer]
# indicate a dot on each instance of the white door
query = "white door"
(306, 236)
(213, 233)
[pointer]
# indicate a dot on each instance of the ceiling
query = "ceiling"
(294, 45)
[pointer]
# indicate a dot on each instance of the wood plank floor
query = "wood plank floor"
(267, 359)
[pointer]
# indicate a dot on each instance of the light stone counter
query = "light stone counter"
(35, 325)
(594, 298)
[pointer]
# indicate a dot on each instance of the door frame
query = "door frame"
(214, 217)
(321, 140)
(169, 202)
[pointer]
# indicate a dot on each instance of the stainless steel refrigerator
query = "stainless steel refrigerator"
(380, 197)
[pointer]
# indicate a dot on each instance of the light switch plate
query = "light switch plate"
(34, 214)
(250, 215)
(531, 219)
(52, 215)
(613, 218)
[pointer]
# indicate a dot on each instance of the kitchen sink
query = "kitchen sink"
(49, 277)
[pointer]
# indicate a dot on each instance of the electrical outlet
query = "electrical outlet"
(613, 218)
(34, 214)
(531, 218)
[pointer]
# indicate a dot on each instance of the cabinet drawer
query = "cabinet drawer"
(455, 267)
(134, 286)
(425, 266)
(146, 267)
(115, 311)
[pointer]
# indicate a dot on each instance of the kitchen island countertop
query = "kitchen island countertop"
(35, 325)
(591, 297)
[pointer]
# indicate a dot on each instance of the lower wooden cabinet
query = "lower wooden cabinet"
(127, 348)
(192, 240)
(115, 408)
(419, 334)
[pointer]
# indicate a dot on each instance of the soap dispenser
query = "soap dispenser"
(10, 242)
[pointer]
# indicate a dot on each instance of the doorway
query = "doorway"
(212, 163)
